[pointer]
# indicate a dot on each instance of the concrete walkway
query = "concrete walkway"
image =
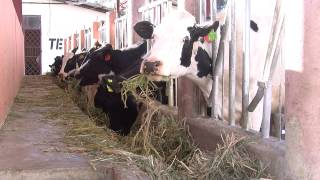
(31, 140)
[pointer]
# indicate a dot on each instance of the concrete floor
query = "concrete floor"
(31, 143)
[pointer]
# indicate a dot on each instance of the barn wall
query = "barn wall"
(59, 21)
(302, 89)
(11, 54)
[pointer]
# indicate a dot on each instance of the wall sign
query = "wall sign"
(56, 43)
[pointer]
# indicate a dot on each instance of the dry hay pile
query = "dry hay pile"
(158, 144)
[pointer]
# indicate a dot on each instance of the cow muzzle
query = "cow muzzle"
(151, 67)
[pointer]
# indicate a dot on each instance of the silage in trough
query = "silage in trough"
(160, 145)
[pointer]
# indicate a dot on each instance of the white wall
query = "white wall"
(59, 21)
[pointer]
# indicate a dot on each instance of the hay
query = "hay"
(158, 144)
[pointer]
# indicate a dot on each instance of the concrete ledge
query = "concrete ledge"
(52, 174)
(207, 134)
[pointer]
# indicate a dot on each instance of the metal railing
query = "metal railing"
(228, 36)
(154, 12)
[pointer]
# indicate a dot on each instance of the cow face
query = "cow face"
(95, 65)
(178, 50)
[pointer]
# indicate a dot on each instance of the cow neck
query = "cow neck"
(130, 70)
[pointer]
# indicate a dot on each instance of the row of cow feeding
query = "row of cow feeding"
(178, 49)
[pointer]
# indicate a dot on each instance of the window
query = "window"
(205, 9)
(88, 38)
(103, 33)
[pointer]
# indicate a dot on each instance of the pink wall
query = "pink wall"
(303, 97)
(11, 54)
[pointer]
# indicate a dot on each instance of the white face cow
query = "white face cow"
(177, 51)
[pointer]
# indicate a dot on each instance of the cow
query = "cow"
(56, 65)
(73, 60)
(108, 64)
(178, 49)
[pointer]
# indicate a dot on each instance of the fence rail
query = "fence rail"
(228, 34)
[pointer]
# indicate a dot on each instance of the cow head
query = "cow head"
(178, 50)
(97, 63)
(56, 66)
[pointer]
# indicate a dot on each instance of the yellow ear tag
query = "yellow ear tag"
(109, 89)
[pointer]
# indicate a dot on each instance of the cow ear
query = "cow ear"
(144, 29)
(215, 26)
(74, 50)
(196, 31)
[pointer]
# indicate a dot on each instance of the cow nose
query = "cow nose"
(151, 67)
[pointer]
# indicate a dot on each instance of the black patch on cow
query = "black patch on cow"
(195, 33)
(254, 26)
(186, 52)
(204, 63)
(121, 117)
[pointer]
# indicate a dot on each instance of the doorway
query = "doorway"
(32, 44)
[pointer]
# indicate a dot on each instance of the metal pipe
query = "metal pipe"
(222, 78)
(232, 67)
(214, 56)
(246, 68)
(266, 110)
(170, 93)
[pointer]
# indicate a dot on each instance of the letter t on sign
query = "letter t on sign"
(51, 42)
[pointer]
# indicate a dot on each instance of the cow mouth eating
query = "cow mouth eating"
(151, 70)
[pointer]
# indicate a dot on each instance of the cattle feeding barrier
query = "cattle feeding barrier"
(228, 34)
(154, 12)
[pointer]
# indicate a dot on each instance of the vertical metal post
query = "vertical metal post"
(214, 56)
(170, 93)
(267, 110)
(246, 67)
(232, 66)
(222, 77)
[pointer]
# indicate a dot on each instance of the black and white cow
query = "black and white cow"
(178, 50)
(115, 65)
(56, 65)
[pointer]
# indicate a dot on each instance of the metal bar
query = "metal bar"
(214, 56)
(232, 66)
(267, 104)
(222, 77)
(216, 69)
(246, 68)
(266, 110)
(170, 95)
